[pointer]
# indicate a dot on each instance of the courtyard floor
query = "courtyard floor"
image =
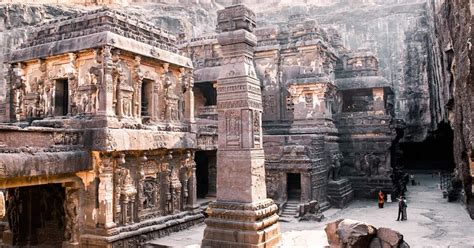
(432, 222)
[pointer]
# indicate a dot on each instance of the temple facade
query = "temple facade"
(314, 91)
(100, 146)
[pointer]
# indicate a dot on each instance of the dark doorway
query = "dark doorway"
(209, 92)
(147, 90)
(36, 215)
(61, 97)
(435, 153)
(202, 172)
(206, 173)
(293, 184)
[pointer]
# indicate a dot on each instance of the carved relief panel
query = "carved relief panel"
(173, 89)
(233, 127)
(90, 79)
(123, 88)
(268, 73)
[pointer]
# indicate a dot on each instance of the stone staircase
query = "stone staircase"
(290, 209)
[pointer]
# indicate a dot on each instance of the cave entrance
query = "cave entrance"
(293, 183)
(36, 215)
(435, 153)
(205, 173)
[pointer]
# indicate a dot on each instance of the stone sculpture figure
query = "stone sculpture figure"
(128, 191)
(71, 205)
(335, 167)
(19, 88)
(119, 177)
(171, 99)
(375, 165)
(13, 211)
(149, 194)
(175, 190)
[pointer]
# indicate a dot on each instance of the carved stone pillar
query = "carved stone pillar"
(156, 106)
(72, 74)
(106, 89)
(242, 216)
(168, 204)
(189, 100)
(192, 190)
(141, 180)
(106, 193)
(124, 212)
(175, 187)
(137, 94)
(305, 187)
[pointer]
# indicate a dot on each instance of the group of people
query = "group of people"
(402, 205)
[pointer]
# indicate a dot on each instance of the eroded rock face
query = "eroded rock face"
(452, 56)
(352, 233)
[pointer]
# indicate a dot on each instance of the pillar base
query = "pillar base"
(242, 225)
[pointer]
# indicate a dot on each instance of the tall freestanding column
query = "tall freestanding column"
(242, 216)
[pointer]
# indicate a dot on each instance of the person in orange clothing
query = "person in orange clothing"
(381, 199)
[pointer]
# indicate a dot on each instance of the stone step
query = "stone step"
(340, 190)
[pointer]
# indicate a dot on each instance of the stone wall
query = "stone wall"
(451, 50)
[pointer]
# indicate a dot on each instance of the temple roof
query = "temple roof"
(98, 28)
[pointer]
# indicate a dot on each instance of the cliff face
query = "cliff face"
(451, 47)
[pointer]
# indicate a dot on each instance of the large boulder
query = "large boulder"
(389, 236)
(333, 238)
(346, 233)
(376, 243)
(353, 233)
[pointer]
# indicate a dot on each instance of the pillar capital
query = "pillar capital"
(236, 17)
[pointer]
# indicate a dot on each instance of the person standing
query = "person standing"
(404, 209)
(381, 199)
(412, 179)
(400, 208)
